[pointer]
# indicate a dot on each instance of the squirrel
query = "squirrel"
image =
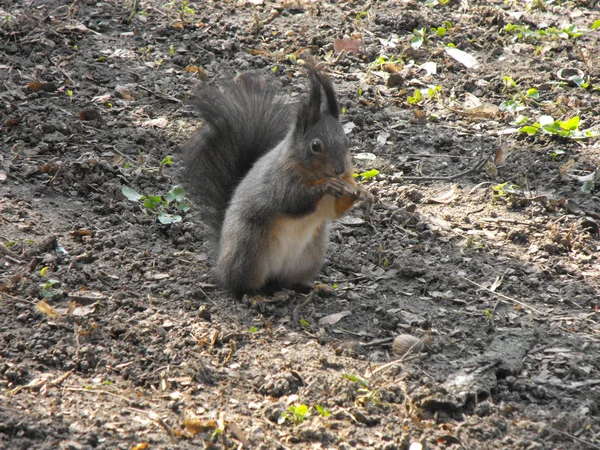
(268, 178)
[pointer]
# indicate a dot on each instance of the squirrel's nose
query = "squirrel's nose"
(340, 167)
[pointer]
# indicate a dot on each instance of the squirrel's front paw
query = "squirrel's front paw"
(336, 187)
(366, 199)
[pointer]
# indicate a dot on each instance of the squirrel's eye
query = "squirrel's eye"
(316, 146)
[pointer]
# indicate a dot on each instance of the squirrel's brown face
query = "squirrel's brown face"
(319, 137)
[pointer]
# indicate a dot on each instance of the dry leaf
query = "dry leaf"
(348, 45)
(501, 155)
(195, 424)
(462, 57)
(140, 446)
(46, 309)
(89, 114)
(491, 169)
(13, 122)
(239, 434)
(445, 198)
(564, 169)
(160, 122)
(102, 99)
(332, 319)
(46, 87)
(198, 71)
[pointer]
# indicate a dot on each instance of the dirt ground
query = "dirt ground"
(483, 246)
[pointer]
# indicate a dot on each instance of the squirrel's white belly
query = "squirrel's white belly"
(292, 236)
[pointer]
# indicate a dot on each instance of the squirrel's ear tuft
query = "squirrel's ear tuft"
(310, 109)
(332, 104)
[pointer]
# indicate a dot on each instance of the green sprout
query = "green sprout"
(415, 98)
(489, 315)
(182, 10)
(567, 129)
(503, 189)
(295, 413)
(419, 38)
(366, 394)
(322, 411)
(366, 175)
(155, 203)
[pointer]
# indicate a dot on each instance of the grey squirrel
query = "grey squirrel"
(268, 178)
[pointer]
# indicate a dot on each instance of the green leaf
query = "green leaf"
(369, 174)
(130, 194)
(167, 161)
(577, 80)
(529, 130)
(521, 119)
(167, 219)
(253, 329)
(176, 193)
(533, 93)
(322, 411)
(588, 186)
(152, 201)
(364, 383)
(416, 42)
(416, 98)
(304, 323)
(571, 124)
(595, 25)
(440, 31)
(184, 207)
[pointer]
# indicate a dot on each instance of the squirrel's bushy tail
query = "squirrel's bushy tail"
(242, 121)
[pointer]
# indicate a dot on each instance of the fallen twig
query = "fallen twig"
(502, 296)
(99, 391)
(478, 166)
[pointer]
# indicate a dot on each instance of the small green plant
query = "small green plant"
(304, 323)
(50, 287)
(432, 3)
(366, 175)
(366, 395)
(415, 98)
(489, 315)
(182, 8)
(525, 33)
(567, 129)
(253, 330)
(362, 15)
(556, 154)
(428, 93)
(503, 189)
(175, 198)
(322, 411)
(419, 38)
(295, 413)
(383, 60)
(8, 22)
(70, 94)
(166, 161)
(171, 50)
